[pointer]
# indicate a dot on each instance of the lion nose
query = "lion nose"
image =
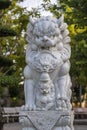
(45, 38)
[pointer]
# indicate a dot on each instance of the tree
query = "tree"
(5, 62)
(5, 30)
(11, 51)
(76, 17)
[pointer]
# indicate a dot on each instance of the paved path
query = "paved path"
(80, 127)
(17, 126)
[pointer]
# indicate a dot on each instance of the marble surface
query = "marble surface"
(47, 84)
(17, 126)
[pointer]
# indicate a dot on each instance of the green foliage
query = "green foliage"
(9, 81)
(76, 17)
(4, 4)
(12, 53)
(6, 31)
(78, 93)
(5, 61)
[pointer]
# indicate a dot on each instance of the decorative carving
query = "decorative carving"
(44, 62)
(45, 94)
(47, 120)
(47, 82)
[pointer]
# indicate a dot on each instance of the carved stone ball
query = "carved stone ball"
(44, 77)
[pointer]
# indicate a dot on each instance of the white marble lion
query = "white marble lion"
(48, 51)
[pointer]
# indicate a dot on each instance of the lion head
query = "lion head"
(46, 32)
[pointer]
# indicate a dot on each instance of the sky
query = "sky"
(36, 3)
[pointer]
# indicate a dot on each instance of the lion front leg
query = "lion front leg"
(63, 86)
(29, 90)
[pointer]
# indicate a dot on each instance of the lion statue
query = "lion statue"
(47, 53)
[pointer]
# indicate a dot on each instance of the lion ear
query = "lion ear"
(32, 20)
(60, 20)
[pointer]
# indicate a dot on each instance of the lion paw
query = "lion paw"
(31, 107)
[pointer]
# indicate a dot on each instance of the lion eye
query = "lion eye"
(37, 36)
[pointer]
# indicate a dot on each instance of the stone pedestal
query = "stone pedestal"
(47, 84)
(47, 120)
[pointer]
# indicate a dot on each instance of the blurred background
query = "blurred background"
(14, 17)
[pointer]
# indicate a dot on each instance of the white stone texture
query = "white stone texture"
(47, 120)
(47, 83)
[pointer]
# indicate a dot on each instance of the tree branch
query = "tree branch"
(2, 13)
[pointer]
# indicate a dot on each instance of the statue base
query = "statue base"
(47, 120)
